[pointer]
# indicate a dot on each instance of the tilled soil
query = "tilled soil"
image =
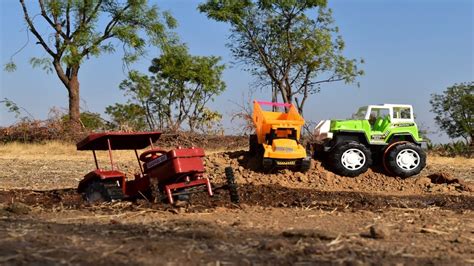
(284, 217)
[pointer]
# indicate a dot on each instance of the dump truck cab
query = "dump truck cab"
(282, 143)
(277, 137)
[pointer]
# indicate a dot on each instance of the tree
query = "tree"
(127, 116)
(286, 49)
(454, 110)
(178, 91)
(74, 28)
(89, 120)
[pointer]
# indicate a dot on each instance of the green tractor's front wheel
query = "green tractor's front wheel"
(350, 158)
(404, 159)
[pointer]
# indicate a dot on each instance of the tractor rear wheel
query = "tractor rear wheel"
(231, 185)
(404, 159)
(350, 158)
(103, 190)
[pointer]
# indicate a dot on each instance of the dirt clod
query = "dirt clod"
(18, 208)
(378, 231)
(273, 245)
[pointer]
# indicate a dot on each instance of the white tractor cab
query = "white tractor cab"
(395, 112)
(374, 131)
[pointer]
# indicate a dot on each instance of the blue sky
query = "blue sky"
(411, 48)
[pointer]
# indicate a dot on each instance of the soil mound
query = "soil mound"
(246, 169)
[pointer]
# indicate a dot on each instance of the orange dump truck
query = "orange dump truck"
(277, 136)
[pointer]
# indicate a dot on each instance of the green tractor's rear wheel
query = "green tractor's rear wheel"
(404, 159)
(350, 158)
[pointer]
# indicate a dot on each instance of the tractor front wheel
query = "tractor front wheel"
(103, 190)
(350, 158)
(404, 159)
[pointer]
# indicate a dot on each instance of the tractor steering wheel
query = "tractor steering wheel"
(149, 155)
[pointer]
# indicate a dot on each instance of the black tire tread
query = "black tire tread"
(108, 189)
(334, 158)
(231, 185)
(253, 144)
(391, 160)
(305, 165)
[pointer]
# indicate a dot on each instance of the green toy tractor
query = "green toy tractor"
(382, 133)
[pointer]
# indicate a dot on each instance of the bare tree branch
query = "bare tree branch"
(35, 32)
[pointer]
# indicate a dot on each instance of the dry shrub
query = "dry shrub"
(32, 131)
(458, 148)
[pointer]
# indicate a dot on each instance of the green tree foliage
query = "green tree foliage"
(128, 116)
(454, 110)
(178, 90)
(18, 111)
(11, 106)
(291, 46)
(73, 31)
(89, 120)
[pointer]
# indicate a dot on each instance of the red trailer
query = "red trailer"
(176, 173)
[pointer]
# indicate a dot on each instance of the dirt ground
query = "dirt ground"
(284, 217)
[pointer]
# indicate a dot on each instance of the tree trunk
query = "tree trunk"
(274, 96)
(74, 103)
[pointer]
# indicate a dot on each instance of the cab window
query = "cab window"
(378, 114)
(402, 113)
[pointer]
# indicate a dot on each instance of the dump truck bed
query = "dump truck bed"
(265, 121)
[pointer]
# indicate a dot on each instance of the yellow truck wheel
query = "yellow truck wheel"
(253, 144)
(267, 164)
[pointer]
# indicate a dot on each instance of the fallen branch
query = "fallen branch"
(434, 231)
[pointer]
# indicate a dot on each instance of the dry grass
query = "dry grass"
(459, 161)
(50, 148)
(60, 165)
(54, 164)
(55, 150)
(67, 151)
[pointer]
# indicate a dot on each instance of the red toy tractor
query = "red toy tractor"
(177, 173)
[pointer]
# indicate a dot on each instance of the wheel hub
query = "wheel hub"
(353, 159)
(408, 159)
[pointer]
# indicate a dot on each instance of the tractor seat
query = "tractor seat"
(381, 123)
(377, 124)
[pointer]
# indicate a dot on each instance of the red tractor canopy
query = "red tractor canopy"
(118, 141)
